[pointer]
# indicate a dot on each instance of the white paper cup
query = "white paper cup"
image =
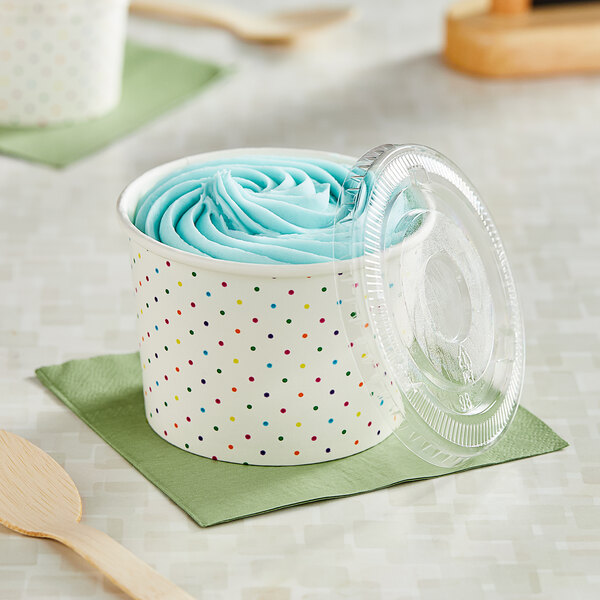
(245, 363)
(61, 61)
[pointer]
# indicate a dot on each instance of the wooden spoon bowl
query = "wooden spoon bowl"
(35, 491)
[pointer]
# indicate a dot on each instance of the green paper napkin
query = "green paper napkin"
(153, 82)
(106, 393)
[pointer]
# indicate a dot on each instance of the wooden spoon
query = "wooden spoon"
(281, 28)
(38, 498)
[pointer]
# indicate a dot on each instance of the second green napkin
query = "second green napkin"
(154, 81)
(106, 393)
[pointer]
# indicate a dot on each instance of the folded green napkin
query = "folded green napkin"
(106, 393)
(153, 82)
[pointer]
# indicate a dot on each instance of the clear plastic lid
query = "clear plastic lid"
(430, 308)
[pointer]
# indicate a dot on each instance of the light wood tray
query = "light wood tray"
(507, 38)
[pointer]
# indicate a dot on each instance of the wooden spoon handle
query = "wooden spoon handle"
(123, 568)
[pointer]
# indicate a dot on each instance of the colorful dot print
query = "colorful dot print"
(60, 61)
(249, 370)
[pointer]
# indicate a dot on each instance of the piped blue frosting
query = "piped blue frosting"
(253, 209)
(264, 209)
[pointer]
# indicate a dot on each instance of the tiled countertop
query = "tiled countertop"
(529, 529)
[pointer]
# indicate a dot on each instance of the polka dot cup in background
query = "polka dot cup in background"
(60, 60)
(245, 363)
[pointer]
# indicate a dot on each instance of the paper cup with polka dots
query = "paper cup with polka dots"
(245, 363)
(421, 335)
(61, 61)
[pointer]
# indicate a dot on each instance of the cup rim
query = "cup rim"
(131, 194)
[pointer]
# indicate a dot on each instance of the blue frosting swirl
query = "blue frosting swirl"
(251, 209)
(264, 209)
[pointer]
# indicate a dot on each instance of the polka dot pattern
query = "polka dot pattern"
(249, 369)
(60, 60)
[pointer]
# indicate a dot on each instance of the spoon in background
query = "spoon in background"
(280, 28)
(38, 498)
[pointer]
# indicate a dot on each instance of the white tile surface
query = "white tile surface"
(529, 529)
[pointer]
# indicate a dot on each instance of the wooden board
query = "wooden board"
(547, 40)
